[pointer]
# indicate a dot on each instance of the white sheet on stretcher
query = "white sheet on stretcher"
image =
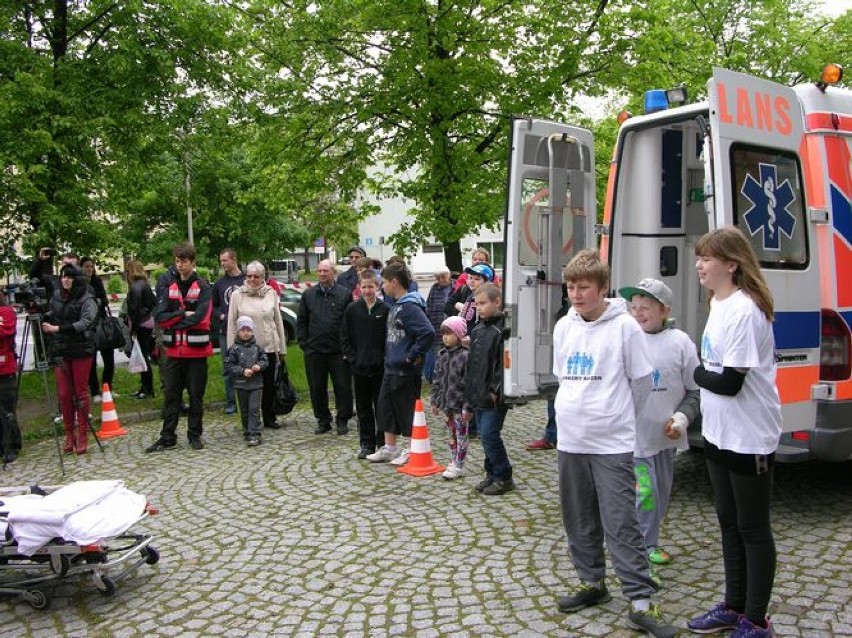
(83, 512)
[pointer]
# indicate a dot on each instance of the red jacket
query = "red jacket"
(186, 337)
(8, 327)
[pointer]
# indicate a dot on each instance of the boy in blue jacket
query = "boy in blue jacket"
(409, 337)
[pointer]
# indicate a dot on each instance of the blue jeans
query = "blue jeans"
(550, 428)
(490, 424)
(230, 396)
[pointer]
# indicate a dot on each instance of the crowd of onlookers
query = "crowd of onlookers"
(629, 385)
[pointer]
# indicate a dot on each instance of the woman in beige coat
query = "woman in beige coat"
(259, 301)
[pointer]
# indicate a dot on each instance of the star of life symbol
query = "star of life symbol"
(769, 202)
(580, 363)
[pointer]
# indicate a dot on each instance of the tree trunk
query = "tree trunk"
(452, 255)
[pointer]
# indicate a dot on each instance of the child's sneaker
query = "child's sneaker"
(720, 618)
(402, 458)
(659, 556)
(383, 455)
(651, 622)
(453, 471)
(747, 629)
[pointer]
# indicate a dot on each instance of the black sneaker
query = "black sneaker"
(651, 622)
(484, 483)
(498, 487)
(253, 440)
(342, 429)
(364, 451)
(274, 425)
(322, 429)
(196, 444)
(584, 596)
(159, 445)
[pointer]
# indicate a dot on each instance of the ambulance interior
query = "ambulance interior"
(658, 215)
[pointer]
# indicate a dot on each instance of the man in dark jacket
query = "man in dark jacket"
(363, 340)
(222, 291)
(349, 279)
(318, 326)
(183, 312)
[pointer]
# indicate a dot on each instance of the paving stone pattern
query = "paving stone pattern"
(299, 538)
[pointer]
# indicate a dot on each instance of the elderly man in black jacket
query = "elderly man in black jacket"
(318, 326)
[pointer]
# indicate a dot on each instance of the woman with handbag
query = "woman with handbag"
(107, 354)
(140, 304)
(68, 326)
(256, 299)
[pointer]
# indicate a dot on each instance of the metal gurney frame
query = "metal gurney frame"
(60, 559)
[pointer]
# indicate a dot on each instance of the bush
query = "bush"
(115, 285)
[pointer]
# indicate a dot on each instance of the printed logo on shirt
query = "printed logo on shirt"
(580, 366)
(656, 378)
(707, 355)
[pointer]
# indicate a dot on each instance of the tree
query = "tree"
(83, 87)
(425, 89)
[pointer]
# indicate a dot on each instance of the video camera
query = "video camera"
(32, 296)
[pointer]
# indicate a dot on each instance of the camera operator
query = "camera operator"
(10, 438)
(42, 269)
(70, 321)
(96, 288)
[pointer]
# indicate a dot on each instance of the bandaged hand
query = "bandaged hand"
(676, 425)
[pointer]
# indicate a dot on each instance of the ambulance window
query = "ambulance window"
(535, 197)
(769, 206)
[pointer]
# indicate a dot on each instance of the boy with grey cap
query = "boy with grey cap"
(246, 363)
(672, 405)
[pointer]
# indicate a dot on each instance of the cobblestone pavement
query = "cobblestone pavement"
(299, 538)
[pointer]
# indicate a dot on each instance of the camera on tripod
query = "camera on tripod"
(32, 296)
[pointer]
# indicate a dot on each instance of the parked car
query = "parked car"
(289, 305)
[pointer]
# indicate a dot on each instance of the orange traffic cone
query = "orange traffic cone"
(110, 426)
(420, 461)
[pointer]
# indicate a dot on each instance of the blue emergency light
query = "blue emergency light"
(655, 100)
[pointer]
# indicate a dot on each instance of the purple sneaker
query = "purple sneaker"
(747, 629)
(720, 618)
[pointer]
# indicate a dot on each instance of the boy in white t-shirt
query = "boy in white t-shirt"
(600, 357)
(672, 406)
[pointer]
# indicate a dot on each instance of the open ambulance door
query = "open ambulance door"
(757, 131)
(550, 216)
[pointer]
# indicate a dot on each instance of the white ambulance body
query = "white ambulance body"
(772, 160)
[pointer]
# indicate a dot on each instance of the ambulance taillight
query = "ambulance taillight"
(835, 362)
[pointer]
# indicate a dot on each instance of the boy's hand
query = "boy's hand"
(676, 426)
(493, 398)
(255, 368)
(247, 373)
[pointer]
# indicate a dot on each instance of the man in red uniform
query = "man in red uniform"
(183, 314)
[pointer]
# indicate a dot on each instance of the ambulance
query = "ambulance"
(770, 159)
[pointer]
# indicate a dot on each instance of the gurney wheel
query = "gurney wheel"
(36, 598)
(106, 586)
(151, 555)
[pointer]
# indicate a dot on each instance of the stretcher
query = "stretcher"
(48, 534)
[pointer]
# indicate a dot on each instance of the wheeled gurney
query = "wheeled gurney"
(54, 533)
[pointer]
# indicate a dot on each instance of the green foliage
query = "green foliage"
(115, 285)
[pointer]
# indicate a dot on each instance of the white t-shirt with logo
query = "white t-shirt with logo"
(674, 359)
(738, 335)
(595, 362)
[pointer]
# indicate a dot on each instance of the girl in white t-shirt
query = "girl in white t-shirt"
(670, 408)
(741, 427)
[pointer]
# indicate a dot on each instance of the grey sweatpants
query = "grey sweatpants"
(654, 476)
(597, 493)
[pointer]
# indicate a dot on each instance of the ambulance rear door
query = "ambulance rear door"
(757, 131)
(550, 215)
